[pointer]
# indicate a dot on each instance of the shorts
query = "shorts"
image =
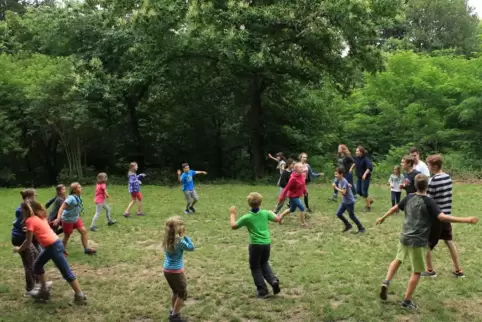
(68, 227)
(415, 254)
(296, 203)
(439, 231)
(177, 283)
(136, 196)
(191, 195)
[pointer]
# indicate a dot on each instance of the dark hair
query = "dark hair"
(408, 159)
(340, 170)
(414, 150)
(362, 150)
(435, 160)
(421, 182)
(281, 156)
(59, 188)
(27, 193)
(289, 162)
(184, 165)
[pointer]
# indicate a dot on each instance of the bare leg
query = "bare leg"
(392, 269)
(139, 207)
(76, 287)
(428, 260)
(284, 214)
(302, 218)
(412, 285)
(454, 254)
(178, 305)
(173, 301)
(65, 240)
(129, 206)
(83, 235)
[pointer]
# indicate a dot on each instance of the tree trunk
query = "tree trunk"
(51, 160)
(257, 131)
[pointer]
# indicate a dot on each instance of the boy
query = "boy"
(420, 212)
(407, 166)
(256, 221)
(186, 179)
(440, 190)
(348, 201)
(294, 190)
(283, 182)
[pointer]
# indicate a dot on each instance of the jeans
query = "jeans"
(396, 196)
(54, 252)
(260, 268)
(350, 207)
(349, 178)
(28, 258)
(362, 187)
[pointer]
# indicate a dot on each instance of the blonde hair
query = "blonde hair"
(255, 199)
(30, 207)
(344, 149)
(101, 177)
(73, 187)
(301, 155)
(132, 165)
(173, 231)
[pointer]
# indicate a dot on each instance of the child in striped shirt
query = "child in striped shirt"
(175, 243)
(440, 190)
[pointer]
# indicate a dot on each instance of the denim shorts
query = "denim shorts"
(295, 203)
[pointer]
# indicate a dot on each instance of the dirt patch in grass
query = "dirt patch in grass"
(466, 308)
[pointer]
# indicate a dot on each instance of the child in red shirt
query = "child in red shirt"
(294, 190)
(100, 196)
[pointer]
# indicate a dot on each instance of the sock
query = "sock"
(81, 294)
(386, 282)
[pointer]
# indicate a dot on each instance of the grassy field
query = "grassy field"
(325, 275)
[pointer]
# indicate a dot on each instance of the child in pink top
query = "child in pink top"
(100, 196)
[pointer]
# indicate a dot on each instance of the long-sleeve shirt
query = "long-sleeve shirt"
(134, 182)
(173, 262)
(295, 188)
(310, 174)
(361, 165)
(18, 224)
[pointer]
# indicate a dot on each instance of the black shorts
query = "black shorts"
(177, 283)
(439, 231)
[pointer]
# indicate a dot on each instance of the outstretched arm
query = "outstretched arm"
(388, 214)
(462, 220)
(201, 172)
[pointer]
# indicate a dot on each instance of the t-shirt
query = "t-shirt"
(173, 262)
(18, 224)
(285, 177)
(422, 168)
(440, 190)
(281, 166)
(420, 213)
(41, 230)
(256, 221)
(187, 180)
(347, 162)
(100, 193)
(396, 181)
(72, 212)
(410, 181)
(362, 164)
(348, 198)
(58, 202)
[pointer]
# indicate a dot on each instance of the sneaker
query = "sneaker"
(126, 214)
(409, 305)
(93, 228)
(187, 212)
(192, 209)
(276, 288)
(361, 231)
(140, 214)
(308, 210)
(458, 274)
(41, 295)
(367, 209)
(110, 223)
(347, 228)
(429, 274)
(80, 299)
(176, 318)
(384, 292)
(90, 251)
(262, 295)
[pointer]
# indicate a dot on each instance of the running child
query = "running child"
(69, 214)
(440, 190)
(420, 212)
(348, 201)
(346, 161)
(294, 190)
(134, 189)
(280, 158)
(310, 175)
(395, 181)
(53, 249)
(57, 201)
(175, 242)
(285, 177)
(187, 181)
(409, 178)
(100, 195)
(256, 221)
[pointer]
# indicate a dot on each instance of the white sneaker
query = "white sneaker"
(36, 289)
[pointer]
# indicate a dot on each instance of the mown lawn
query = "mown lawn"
(325, 275)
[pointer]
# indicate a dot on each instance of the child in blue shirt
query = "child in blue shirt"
(175, 243)
(348, 201)
(187, 181)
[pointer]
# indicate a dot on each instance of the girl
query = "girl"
(134, 189)
(395, 180)
(346, 161)
(100, 196)
(30, 253)
(57, 201)
(285, 177)
(280, 158)
(309, 176)
(70, 212)
(175, 242)
(363, 168)
(35, 220)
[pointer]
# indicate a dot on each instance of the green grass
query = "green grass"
(325, 275)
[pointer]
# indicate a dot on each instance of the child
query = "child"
(37, 225)
(285, 177)
(363, 168)
(134, 189)
(280, 158)
(440, 190)
(187, 181)
(100, 196)
(309, 176)
(256, 221)
(409, 179)
(420, 212)
(69, 212)
(175, 242)
(395, 180)
(30, 253)
(57, 201)
(295, 188)
(348, 201)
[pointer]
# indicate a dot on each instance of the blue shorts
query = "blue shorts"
(296, 203)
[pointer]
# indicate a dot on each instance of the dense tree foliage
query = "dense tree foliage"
(91, 86)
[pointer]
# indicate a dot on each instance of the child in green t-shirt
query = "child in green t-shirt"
(256, 221)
